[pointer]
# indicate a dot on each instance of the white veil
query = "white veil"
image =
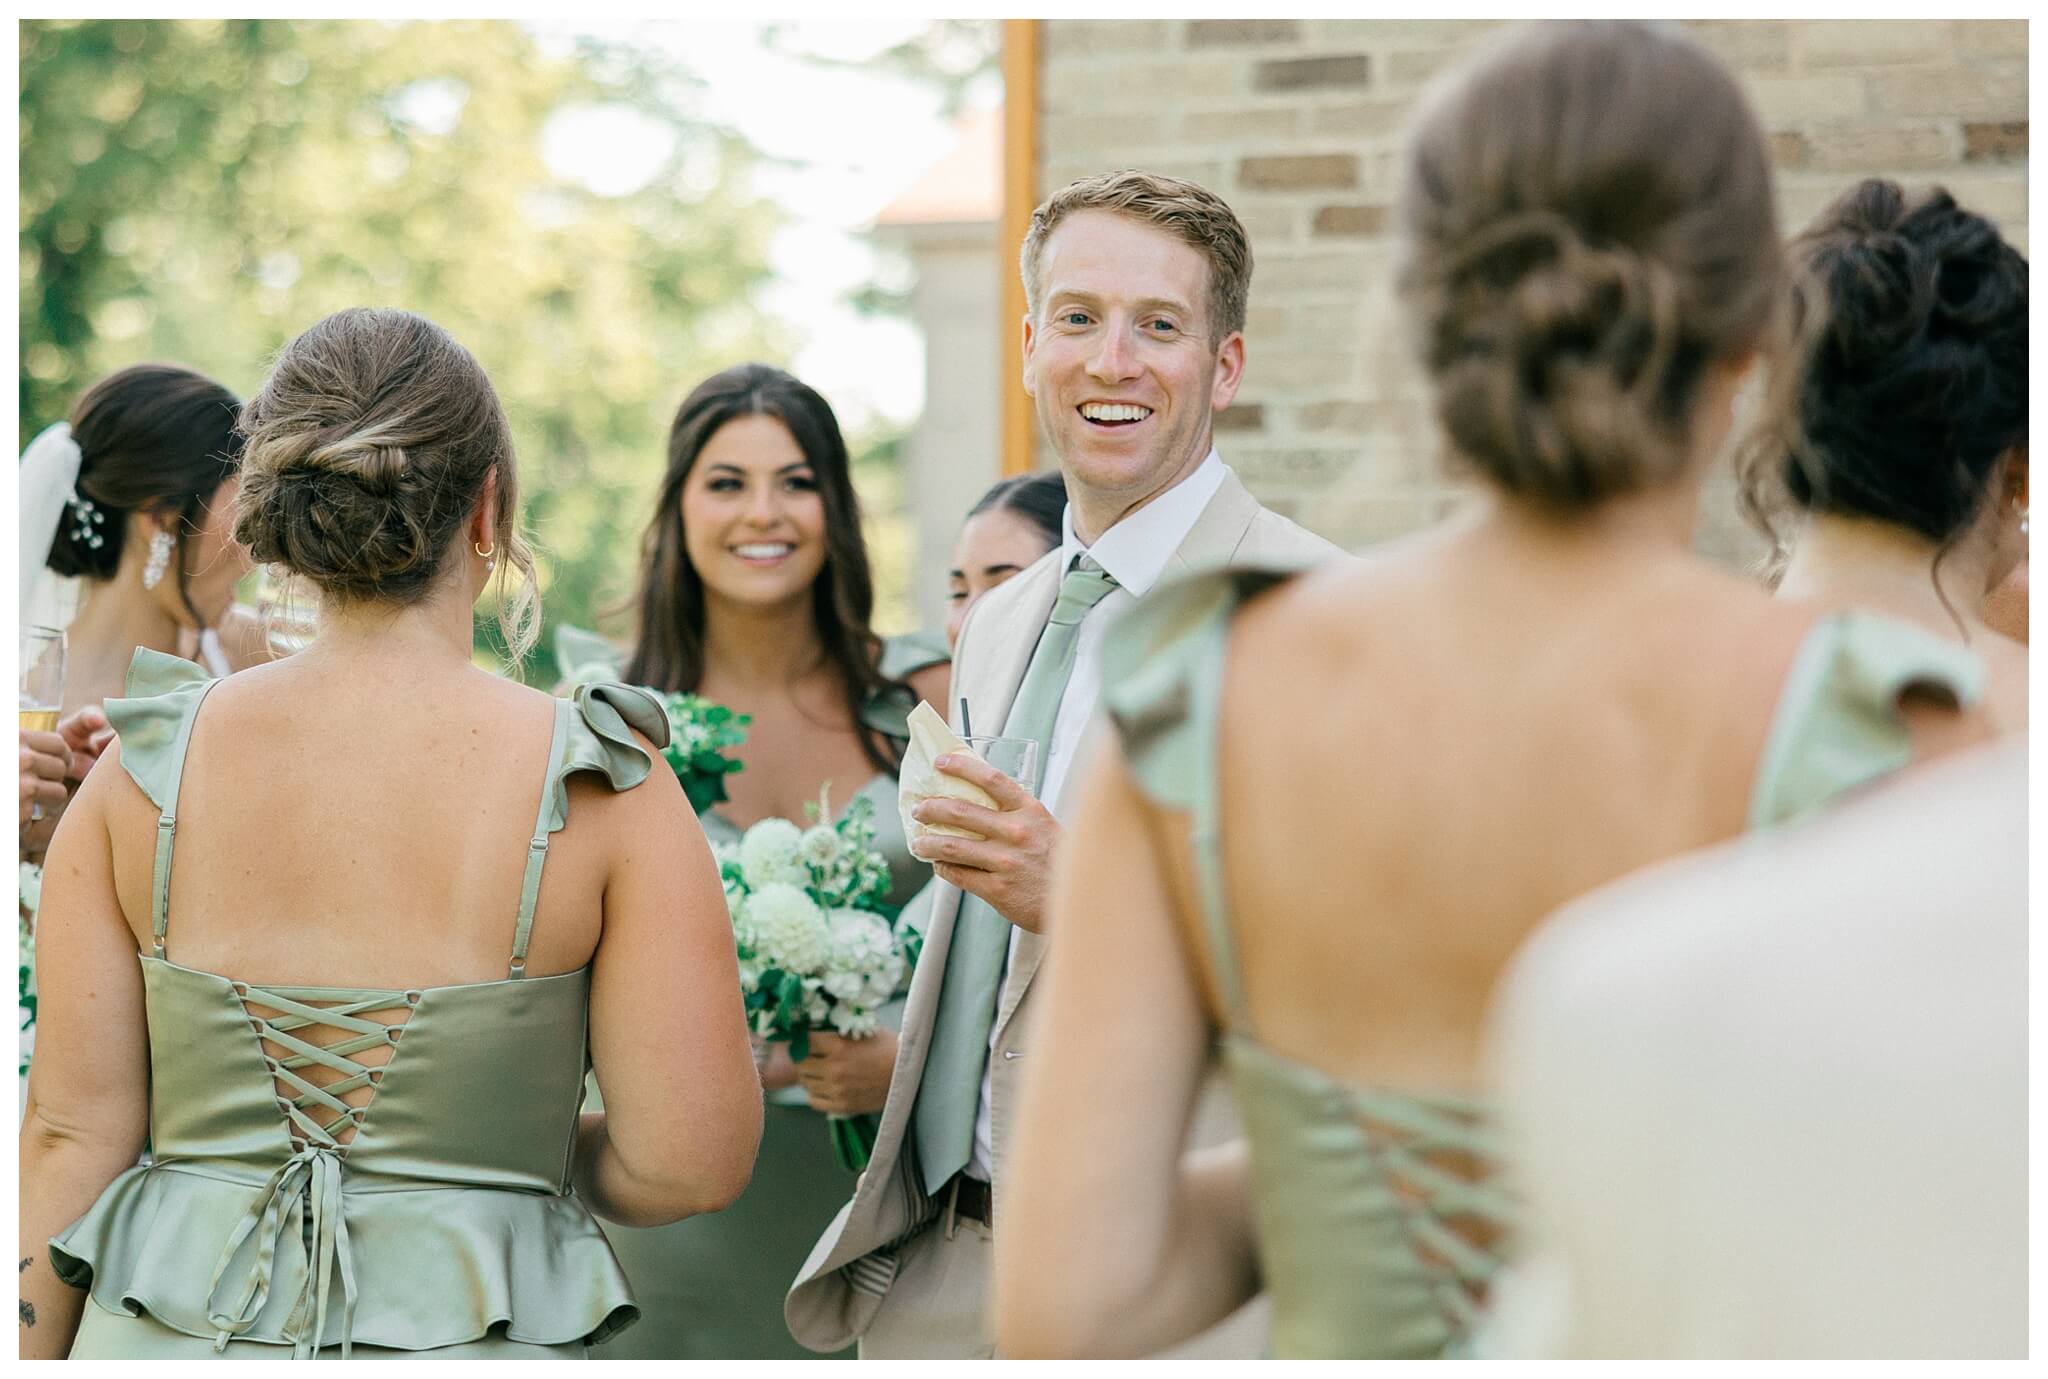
(46, 482)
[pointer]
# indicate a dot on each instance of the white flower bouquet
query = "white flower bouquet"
(819, 948)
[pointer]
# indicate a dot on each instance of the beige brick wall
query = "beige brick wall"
(1296, 121)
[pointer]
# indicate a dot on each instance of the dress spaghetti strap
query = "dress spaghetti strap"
(154, 723)
(537, 851)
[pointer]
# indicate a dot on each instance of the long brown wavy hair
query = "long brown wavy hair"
(668, 652)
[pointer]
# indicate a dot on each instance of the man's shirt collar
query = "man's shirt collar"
(1135, 551)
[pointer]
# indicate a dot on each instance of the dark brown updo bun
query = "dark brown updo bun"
(1587, 223)
(1915, 385)
(152, 438)
(367, 451)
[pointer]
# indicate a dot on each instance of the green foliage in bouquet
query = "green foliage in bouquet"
(700, 733)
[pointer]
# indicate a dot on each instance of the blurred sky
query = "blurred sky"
(861, 136)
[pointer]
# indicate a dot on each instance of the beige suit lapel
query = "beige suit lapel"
(1005, 635)
(995, 683)
(1212, 541)
(1219, 531)
(1000, 638)
(1024, 960)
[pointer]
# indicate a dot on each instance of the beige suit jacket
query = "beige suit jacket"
(853, 1264)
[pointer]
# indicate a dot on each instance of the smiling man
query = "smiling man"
(1135, 287)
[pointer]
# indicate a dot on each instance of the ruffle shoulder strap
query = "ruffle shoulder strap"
(1162, 676)
(154, 721)
(598, 736)
(1838, 724)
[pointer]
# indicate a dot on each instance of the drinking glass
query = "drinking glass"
(1015, 757)
(42, 677)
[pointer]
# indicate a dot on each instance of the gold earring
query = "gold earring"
(478, 547)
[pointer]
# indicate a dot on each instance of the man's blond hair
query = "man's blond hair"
(1192, 214)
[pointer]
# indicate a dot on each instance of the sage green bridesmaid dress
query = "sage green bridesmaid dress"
(447, 1227)
(1377, 1239)
(711, 1287)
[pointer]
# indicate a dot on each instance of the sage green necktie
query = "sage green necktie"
(950, 1092)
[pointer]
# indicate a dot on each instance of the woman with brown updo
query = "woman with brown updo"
(411, 904)
(755, 593)
(1907, 456)
(1335, 803)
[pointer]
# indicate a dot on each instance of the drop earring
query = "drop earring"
(490, 557)
(159, 560)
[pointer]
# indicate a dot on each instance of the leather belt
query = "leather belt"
(969, 1198)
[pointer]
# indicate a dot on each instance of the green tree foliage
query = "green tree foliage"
(203, 190)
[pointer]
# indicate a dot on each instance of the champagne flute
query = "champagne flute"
(42, 677)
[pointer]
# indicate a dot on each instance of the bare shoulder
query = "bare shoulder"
(1294, 620)
(1693, 602)
(108, 791)
(2006, 689)
(501, 693)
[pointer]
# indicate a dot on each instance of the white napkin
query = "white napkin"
(930, 739)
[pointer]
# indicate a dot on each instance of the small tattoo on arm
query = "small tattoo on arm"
(28, 1313)
(24, 1264)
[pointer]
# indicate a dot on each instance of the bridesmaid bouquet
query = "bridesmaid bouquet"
(819, 949)
(699, 735)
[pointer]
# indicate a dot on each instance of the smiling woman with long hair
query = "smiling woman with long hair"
(755, 593)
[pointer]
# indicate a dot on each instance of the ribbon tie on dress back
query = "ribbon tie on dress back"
(308, 1181)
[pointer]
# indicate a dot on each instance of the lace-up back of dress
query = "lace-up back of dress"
(328, 1049)
(328, 1052)
(1441, 1158)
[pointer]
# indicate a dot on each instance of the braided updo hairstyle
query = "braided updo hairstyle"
(1914, 386)
(368, 448)
(1588, 223)
(153, 438)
